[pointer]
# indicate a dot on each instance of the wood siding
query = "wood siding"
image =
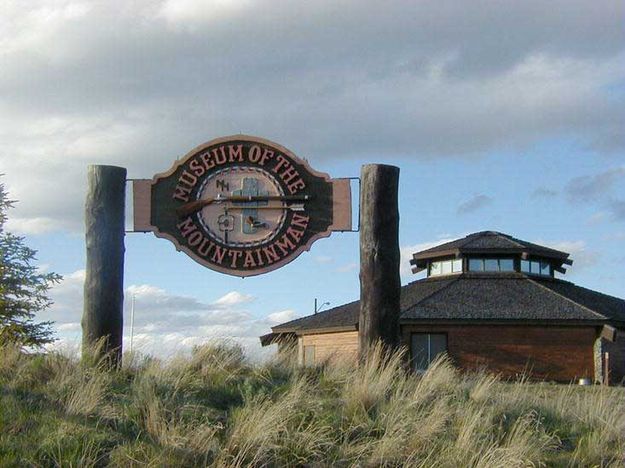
(331, 345)
(550, 353)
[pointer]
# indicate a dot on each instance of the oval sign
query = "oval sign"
(242, 205)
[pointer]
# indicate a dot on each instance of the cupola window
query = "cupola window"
(535, 267)
(491, 264)
(446, 267)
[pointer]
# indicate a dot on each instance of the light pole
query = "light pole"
(132, 321)
(318, 309)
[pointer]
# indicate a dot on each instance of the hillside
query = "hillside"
(214, 408)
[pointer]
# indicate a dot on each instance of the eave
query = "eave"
(543, 322)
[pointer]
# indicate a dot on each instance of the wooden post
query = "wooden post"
(102, 318)
(379, 257)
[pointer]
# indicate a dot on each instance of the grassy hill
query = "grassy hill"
(216, 409)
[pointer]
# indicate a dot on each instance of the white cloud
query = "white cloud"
(138, 83)
(64, 327)
(323, 259)
(282, 316)
(36, 225)
(233, 298)
(582, 257)
(347, 268)
(194, 14)
(165, 323)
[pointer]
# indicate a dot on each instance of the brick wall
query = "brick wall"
(550, 353)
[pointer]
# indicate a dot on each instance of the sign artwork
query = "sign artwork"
(242, 205)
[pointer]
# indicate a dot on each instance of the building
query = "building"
(489, 301)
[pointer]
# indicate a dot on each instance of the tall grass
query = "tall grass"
(214, 408)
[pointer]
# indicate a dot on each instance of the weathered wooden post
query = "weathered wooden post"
(104, 283)
(379, 257)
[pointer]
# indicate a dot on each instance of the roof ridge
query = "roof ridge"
(514, 240)
(568, 299)
(449, 283)
(519, 242)
(468, 238)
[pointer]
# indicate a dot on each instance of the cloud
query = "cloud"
(74, 326)
(139, 83)
(348, 267)
(593, 187)
(165, 323)
(233, 298)
(282, 316)
(36, 225)
(191, 14)
(617, 207)
(582, 257)
(542, 192)
(615, 236)
(323, 259)
(68, 299)
(474, 203)
(597, 218)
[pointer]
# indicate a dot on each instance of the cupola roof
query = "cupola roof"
(490, 243)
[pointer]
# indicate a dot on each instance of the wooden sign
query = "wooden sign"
(242, 205)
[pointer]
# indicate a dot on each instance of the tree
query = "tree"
(23, 289)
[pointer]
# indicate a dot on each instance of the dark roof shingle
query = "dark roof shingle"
(505, 297)
(609, 306)
(482, 297)
(346, 315)
(490, 241)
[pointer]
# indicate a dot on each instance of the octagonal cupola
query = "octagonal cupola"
(490, 252)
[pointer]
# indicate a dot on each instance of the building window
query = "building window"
(424, 348)
(446, 267)
(476, 264)
(535, 267)
(491, 264)
(506, 264)
(309, 355)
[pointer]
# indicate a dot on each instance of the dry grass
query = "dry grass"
(215, 409)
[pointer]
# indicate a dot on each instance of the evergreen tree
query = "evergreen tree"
(23, 289)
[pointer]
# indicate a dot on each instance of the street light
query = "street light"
(318, 309)
(132, 321)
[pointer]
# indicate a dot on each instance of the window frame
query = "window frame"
(443, 264)
(483, 261)
(541, 266)
(429, 348)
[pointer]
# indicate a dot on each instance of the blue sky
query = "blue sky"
(505, 117)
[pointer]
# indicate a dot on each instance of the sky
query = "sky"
(502, 115)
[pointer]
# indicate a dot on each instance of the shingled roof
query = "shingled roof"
(346, 316)
(506, 297)
(489, 243)
(473, 297)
